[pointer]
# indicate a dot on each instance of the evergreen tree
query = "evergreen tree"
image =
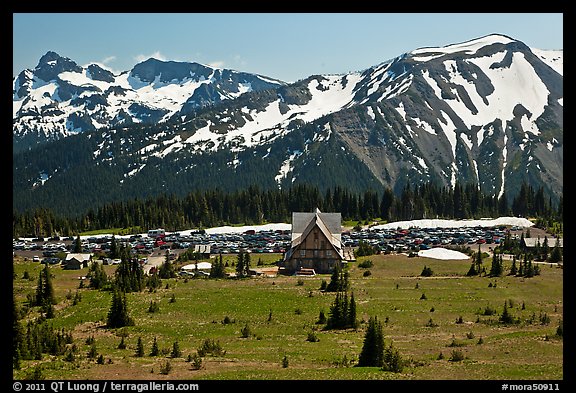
(97, 276)
(513, 269)
(506, 317)
(372, 354)
(218, 269)
(351, 317)
(528, 267)
(167, 269)
(556, 254)
(129, 276)
(153, 282)
(49, 296)
(118, 314)
(521, 266)
(176, 352)
(240, 271)
(77, 245)
(472, 271)
(545, 249)
(17, 335)
(338, 279)
(45, 297)
(114, 251)
(247, 264)
(337, 313)
(139, 347)
(478, 260)
(392, 360)
(496, 269)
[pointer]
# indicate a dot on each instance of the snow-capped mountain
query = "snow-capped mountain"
(488, 111)
(59, 98)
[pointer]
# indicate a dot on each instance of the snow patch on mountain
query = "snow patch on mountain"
(553, 58)
(517, 84)
(468, 47)
(286, 166)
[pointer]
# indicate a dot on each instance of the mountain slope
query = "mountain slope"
(59, 98)
(488, 111)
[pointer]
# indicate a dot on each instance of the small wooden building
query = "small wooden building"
(316, 243)
(76, 261)
(532, 242)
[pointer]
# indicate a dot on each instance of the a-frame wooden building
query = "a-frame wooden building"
(316, 243)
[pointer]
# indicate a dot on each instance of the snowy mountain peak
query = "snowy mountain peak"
(52, 64)
(467, 48)
(487, 111)
(59, 97)
(167, 71)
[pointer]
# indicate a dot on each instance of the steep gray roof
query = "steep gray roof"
(305, 222)
(332, 221)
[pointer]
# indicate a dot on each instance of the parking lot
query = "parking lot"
(278, 241)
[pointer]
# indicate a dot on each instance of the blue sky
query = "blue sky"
(286, 46)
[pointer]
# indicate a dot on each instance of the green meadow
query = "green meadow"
(438, 324)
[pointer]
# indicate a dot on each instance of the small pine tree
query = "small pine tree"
(513, 268)
(139, 348)
(506, 317)
(176, 352)
(496, 268)
(218, 270)
(392, 360)
(118, 313)
(556, 254)
(321, 318)
(427, 271)
(240, 265)
(478, 260)
(372, 354)
(351, 315)
(472, 271)
(93, 352)
(245, 331)
(560, 329)
(155, 350)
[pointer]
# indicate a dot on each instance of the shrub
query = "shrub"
(195, 361)
(154, 307)
(366, 264)
(560, 329)
(176, 352)
(166, 368)
(431, 323)
(456, 355)
(427, 272)
(312, 337)
(212, 347)
(245, 331)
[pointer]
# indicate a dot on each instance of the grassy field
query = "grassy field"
(281, 311)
